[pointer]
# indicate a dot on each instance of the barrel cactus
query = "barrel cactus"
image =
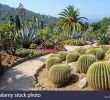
(60, 74)
(107, 57)
(51, 61)
(98, 52)
(108, 52)
(72, 57)
(105, 47)
(80, 50)
(53, 55)
(98, 75)
(63, 55)
(85, 61)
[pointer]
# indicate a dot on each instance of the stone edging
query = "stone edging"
(21, 61)
(35, 79)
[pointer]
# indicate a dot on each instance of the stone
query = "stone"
(82, 83)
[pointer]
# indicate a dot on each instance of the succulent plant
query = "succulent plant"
(53, 55)
(107, 57)
(72, 57)
(108, 52)
(60, 74)
(85, 61)
(105, 47)
(81, 50)
(98, 75)
(63, 55)
(98, 52)
(52, 61)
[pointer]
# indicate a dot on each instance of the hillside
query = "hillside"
(6, 11)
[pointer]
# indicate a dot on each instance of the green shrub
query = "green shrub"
(49, 45)
(81, 50)
(25, 53)
(63, 55)
(77, 42)
(72, 57)
(97, 52)
(60, 74)
(98, 75)
(85, 61)
(52, 61)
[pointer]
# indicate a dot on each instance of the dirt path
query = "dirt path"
(20, 76)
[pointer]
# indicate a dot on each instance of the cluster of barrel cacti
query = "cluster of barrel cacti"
(91, 62)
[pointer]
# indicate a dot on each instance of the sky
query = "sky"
(92, 9)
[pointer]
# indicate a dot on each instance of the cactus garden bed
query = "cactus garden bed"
(79, 70)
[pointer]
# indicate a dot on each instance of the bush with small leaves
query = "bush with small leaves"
(60, 74)
(97, 52)
(72, 57)
(98, 75)
(85, 61)
(52, 61)
(63, 55)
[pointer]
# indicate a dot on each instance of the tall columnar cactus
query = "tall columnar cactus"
(60, 74)
(98, 52)
(98, 75)
(52, 61)
(85, 61)
(63, 55)
(72, 57)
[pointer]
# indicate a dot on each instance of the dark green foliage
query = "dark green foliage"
(98, 75)
(17, 22)
(85, 61)
(26, 37)
(60, 74)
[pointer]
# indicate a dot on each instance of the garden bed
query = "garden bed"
(42, 81)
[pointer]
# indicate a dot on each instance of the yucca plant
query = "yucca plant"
(26, 37)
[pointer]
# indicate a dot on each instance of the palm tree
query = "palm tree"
(70, 20)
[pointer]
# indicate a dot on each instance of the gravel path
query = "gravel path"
(20, 76)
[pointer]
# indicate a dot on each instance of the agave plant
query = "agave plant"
(26, 37)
